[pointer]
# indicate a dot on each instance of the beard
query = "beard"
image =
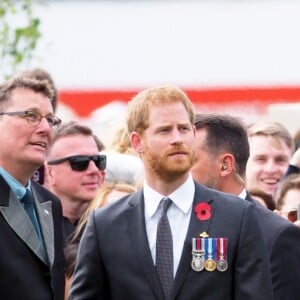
(168, 167)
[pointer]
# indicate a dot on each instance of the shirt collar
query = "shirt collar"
(243, 194)
(183, 197)
(16, 187)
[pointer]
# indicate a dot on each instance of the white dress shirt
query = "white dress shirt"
(243, 194)
(179, 215)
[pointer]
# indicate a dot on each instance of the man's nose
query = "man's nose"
(270, 166)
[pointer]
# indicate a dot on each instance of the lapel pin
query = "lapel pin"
(204, 234)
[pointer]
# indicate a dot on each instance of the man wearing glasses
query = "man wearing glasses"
(75, 171)
(31, 261)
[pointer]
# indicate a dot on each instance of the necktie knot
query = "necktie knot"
(27, 198)
(165, 203)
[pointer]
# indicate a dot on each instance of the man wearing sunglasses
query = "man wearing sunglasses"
(31, 260)
(75, 171)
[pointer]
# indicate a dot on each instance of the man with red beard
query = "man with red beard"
(173, 239)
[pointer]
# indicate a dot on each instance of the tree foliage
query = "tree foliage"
(19, 35)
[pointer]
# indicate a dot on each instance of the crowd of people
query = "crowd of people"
(182, 205)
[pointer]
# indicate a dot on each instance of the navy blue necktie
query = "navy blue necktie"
(28, 204)
(164, 250)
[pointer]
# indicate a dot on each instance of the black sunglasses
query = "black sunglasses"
(81, 162)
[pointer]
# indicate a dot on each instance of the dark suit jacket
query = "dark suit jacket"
(283, 243)
(114, 259)
(292, 170)
(25, 273)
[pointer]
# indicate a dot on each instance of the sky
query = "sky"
(132, 44)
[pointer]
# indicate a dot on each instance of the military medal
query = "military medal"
(222, 264)
(198, 253)
(210, 264)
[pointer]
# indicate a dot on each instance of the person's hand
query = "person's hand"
(295, 160)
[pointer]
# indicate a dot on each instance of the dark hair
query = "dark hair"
(225, 133)
(74, 128)
(265, 197)
(292, 181)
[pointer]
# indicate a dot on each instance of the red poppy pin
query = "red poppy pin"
(203, 211)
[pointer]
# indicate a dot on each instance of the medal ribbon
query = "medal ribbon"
(198, 244)
(222, 248)
(210, 247)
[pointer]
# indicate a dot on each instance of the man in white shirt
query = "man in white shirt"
(222, 151)
(173, 239)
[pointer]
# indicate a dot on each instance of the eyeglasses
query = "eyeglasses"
(34, 118)
(81, 162)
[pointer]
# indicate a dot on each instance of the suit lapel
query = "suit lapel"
(44, 211)
(195, 228)
(20, 222)
(140, 246)
(248, 198)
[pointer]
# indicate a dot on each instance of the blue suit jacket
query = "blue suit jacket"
(114, 260)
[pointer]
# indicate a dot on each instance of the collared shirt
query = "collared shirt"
(243, 194)
(16, 187)
(20, 190)
(68, 229)
(179, 215)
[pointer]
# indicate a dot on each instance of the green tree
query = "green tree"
(19, 35)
